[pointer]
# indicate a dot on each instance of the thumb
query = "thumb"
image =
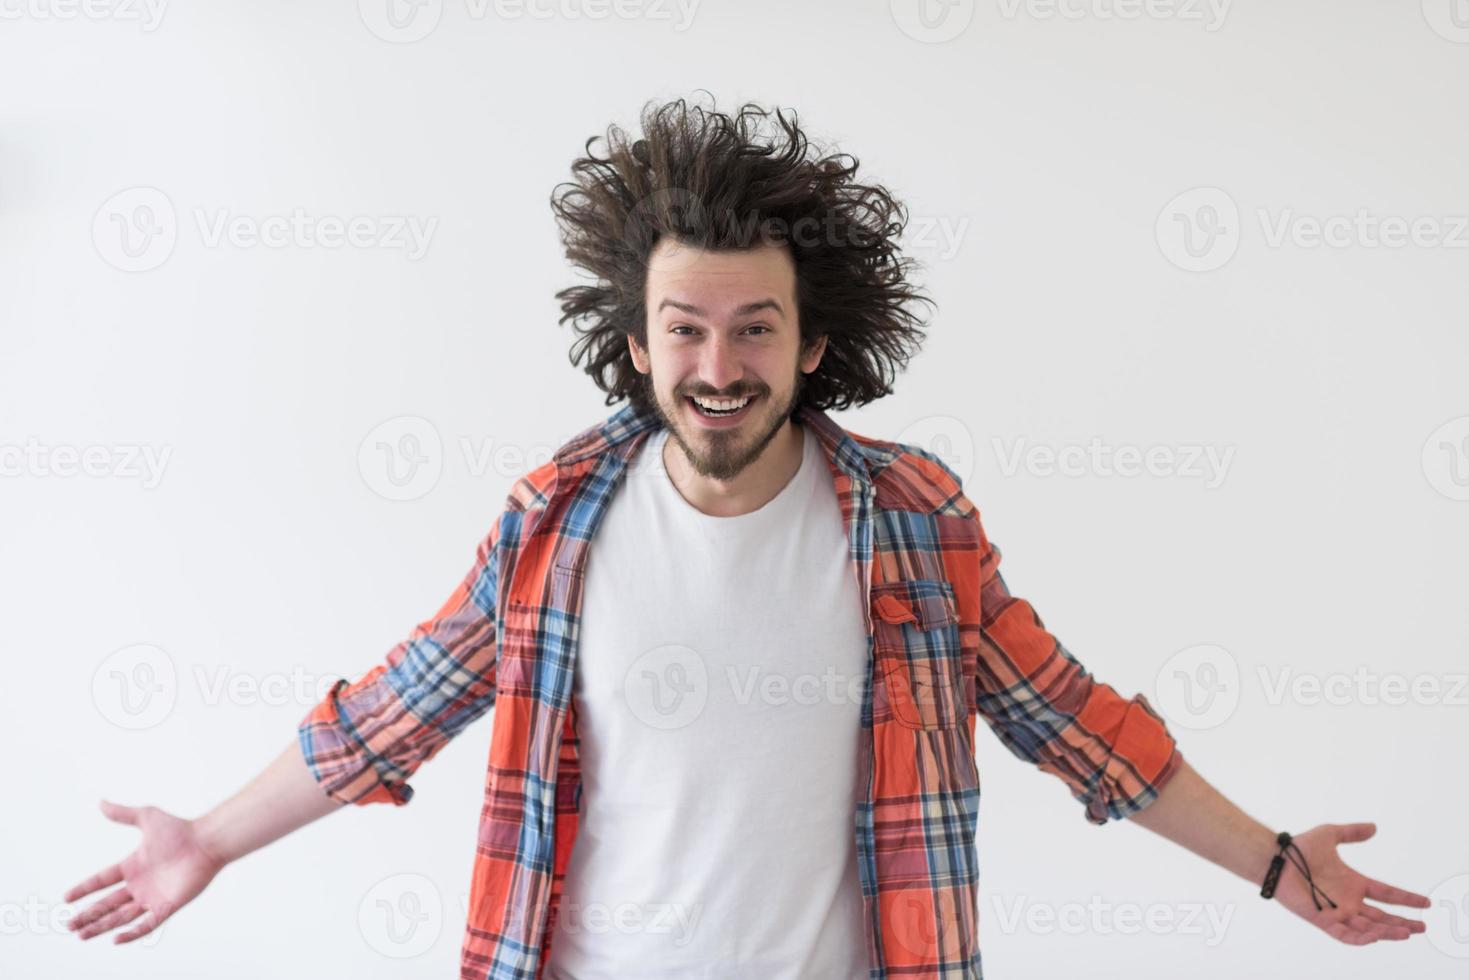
(118, 813)
(1355, 833)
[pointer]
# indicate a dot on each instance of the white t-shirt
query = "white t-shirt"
(718, 684)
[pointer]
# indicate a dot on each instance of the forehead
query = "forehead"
(718, 281)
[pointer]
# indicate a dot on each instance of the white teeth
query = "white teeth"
(722, 404)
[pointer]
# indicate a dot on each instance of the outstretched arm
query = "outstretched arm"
(358, 745)
(1193, 814)
(1119, 758)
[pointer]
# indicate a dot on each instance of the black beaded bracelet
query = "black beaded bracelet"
(1272, 877)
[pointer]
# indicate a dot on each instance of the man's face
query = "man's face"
(723, 325)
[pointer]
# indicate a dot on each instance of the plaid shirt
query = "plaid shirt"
(946, 642)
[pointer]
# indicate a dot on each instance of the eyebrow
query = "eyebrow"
(746, 310)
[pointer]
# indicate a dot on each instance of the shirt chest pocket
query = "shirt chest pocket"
(915, 624)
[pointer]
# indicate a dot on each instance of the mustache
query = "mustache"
(716, 394)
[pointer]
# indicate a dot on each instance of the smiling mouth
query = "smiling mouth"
(721, 408)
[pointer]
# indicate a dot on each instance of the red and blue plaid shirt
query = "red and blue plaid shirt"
(947, 642)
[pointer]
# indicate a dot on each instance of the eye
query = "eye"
(684, 326)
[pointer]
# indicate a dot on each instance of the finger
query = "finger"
(1364, 927)
(121, 917)
(145, 925)
(1409, 926)
(1345, 932)
(1354, 833)
(119, 813)
(112, 920)
(101, 879)
(1382, 930)
(99, 908)
(1380, 892)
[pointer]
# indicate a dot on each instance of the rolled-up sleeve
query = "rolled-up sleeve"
(365, 738)
(1114, 754)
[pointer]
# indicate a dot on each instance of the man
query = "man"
(737, 652)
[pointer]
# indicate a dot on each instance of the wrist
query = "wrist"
(212, 837)
(1261, 850)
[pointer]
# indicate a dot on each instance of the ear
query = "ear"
(639, 356)
(811, 356)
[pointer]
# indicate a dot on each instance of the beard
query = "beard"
(722, 454)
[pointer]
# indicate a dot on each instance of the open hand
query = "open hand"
(1353, 921)
(166, 871)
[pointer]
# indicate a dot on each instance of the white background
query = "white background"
(1048, 146)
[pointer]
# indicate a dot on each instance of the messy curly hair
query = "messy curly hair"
(715, 181)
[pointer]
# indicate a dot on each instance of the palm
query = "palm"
(166, 871)
(1352, 921)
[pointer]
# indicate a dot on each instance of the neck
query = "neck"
(750, 489)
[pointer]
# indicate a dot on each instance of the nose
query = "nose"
(719, 364)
